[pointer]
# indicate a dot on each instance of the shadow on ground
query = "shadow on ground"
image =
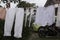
(27, 34)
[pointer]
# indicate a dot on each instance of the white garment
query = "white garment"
(27, 13)
(19, 23)
(51, 15)
(45, 16)
(58, 17)
(56, 5)
(30, 18)
(11, 12)
(2, 4)
(13, 5)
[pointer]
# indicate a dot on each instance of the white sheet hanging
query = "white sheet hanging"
(11, 14)
(51, 15)
(45, 16)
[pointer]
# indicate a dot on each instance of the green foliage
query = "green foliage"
(23, 4)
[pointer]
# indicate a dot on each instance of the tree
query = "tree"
(25, 5)
(19, 1)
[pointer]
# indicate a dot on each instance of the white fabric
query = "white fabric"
(45, 16)
(9, 21)
(51, 15)
(13, 5)
(27, 13)
(56, 5)
(2, 4)
(31, 12)
(58, 17)
(11, 12)
(19, 23)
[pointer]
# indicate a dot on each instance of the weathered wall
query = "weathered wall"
(2, 13)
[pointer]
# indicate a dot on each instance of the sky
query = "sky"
(40, 3)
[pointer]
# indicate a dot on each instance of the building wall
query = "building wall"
(2, 13)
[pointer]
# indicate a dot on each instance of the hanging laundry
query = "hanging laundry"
(13, 5)
(10, 15)
(30, 18)
(9, 21)
(19, 23)
(27, 14)
(45, 15)
(2, 4)
(51, 15)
